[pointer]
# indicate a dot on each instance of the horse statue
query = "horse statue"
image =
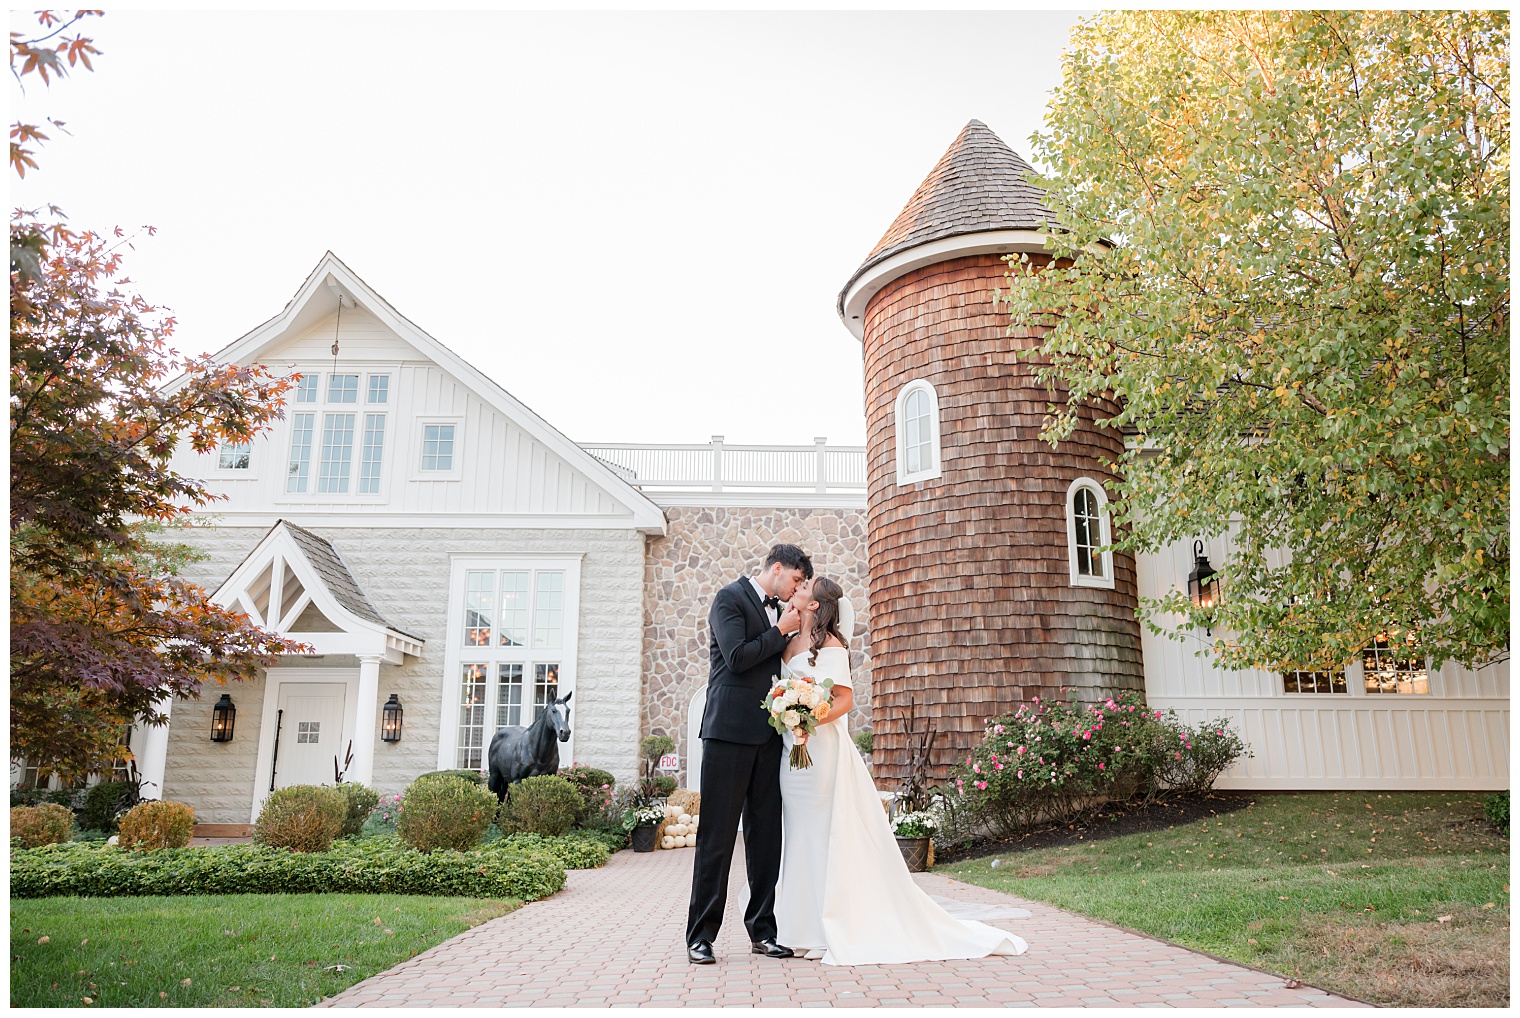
(517, 752)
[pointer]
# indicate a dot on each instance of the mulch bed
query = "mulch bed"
(1111, 820)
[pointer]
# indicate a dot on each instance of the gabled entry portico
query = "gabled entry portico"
(316, 706)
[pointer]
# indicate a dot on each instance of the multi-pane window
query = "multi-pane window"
(1300, 681)
(500, 665)
(917, 424)
(234, 456)
(917, 438)
(337, 453)
(301, 431)
(1389, 667)
(342, 388)
(1087, 516)
(339, 469)
(472, 717)
(438, 447)
(374, 446)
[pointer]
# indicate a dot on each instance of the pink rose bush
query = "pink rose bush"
(1087, 753)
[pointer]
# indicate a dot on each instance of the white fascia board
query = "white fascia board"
(647, 516)
(759, 500)
(383, 521)
(878, 276)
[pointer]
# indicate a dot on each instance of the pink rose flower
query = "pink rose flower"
(977, 768)
(999, 766)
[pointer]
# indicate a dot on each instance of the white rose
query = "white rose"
(791, 719)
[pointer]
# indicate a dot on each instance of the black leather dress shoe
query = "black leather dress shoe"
(700, 953)
(770, 948)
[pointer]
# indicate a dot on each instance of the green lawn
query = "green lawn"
(1398, 899)
(236, 950)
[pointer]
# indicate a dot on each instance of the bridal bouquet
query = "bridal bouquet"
(798, 704)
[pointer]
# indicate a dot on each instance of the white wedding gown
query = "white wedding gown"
(844, 888)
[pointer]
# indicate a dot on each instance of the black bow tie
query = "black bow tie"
(771, 602)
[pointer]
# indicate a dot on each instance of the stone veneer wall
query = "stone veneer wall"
(973, 609)
(405, 573)
(707, 548)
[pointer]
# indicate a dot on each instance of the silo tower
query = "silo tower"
(988, 585)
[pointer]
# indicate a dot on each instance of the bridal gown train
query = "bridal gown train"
(844, 888)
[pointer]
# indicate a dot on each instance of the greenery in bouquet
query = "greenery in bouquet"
(798, 704)
(918, 824)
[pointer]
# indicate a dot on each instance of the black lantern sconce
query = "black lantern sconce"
(390, 720)
(1203, 588)
(223, 717)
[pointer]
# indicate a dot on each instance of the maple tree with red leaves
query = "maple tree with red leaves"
(102, 630)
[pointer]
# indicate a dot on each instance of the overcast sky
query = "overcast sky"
(636, 223)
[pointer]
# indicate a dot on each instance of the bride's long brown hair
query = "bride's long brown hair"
(826, 619)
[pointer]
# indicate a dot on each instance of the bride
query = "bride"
(845, 896)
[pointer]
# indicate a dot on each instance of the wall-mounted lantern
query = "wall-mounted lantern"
(223, 717)
(390, 720)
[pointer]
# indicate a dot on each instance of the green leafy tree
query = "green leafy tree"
(102, 631)
(1286, 255)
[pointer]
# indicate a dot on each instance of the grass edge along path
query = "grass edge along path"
(271, 950)
(1395, 899)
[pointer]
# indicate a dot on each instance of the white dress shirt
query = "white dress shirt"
(773, 615)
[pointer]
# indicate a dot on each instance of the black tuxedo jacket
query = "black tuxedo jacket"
(746, 659)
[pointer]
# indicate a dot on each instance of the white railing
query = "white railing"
(717, 466)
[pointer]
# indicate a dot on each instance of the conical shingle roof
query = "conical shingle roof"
(980, 184)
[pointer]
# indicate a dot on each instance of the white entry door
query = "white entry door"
(311, 732)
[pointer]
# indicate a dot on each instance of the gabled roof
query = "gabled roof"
(979, 185)
(332, 281)
(335, 575)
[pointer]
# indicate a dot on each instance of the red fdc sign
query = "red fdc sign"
(670, 762)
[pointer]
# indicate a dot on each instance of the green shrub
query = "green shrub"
(864, 740)
(304, 818)
(373, 866)
(104, 801)
(612, 840)
(361, 800)
(1496, 808)
(664, 784)
(652, 747)
(440, 811)
(156, 825)
(35, 826)
(1191, 759)
(473, 777)
(595, 787)
(29, 796)
(547, 804)
(574, 853)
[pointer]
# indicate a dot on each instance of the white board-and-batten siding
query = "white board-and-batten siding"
(500, 470)
(1454, 737)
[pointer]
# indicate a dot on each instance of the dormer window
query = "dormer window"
(1087, 535)
(340, 451)
(917, 419)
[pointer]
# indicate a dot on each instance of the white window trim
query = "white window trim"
(1106, 581)
(933, 470)
(230, 474)
(454, 650)
(456, 471)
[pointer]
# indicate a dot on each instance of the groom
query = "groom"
(741, 753)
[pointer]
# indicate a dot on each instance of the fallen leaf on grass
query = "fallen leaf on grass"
(377, 920)
(185, 981)
(1292, 984)
(337, 968)
(1250, 940)
(162, 995)
(1443, 918)
(86, 1000)
(44, 940)
(1489, 905)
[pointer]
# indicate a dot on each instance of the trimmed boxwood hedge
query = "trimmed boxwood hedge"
(380, 865)
(575, 853)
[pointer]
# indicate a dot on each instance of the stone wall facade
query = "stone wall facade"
(405, 574)
(708, 548)
(973, 609)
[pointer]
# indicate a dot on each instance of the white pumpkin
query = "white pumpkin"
(684, 818)
(691, 839)
(695, 820)
(672, 812)
(677, 829)
(667, 842)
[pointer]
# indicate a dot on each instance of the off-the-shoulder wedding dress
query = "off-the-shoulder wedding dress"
(845, 890)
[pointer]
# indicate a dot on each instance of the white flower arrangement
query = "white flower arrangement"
(644, 816)
(921, 824)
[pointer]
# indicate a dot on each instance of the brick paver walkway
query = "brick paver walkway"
(613, 938)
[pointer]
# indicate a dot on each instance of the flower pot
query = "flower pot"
(915, 852)
(644, 838)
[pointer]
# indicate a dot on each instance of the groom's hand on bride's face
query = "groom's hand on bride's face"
(790, 621)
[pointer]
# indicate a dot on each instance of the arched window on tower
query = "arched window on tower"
(1087, 535)
(917, 433)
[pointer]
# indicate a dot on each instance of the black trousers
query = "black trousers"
(737, 780)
